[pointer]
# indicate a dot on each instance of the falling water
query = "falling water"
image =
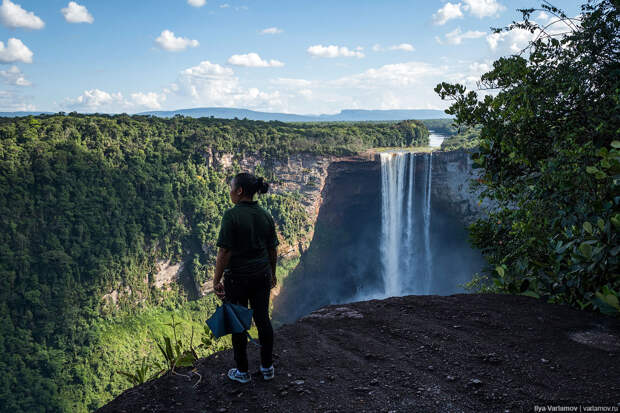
(427, 226)
(392, 177)
(407, 267)
(410, 217)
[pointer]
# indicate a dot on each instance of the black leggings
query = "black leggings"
(256, 289)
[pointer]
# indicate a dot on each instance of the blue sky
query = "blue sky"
(286, 56)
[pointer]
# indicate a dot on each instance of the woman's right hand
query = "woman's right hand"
(219, 290)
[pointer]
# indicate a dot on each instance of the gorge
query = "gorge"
(391, 224)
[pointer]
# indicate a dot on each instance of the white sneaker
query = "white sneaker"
(268, 373)
(236, 375)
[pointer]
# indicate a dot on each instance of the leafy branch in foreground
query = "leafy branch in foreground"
(550, 158)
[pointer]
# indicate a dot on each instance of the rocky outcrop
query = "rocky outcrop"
(458, 353)
(167, 273)
(162, 275)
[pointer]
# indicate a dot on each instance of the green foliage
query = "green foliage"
(89, 203)
(288, 212)
(141, 373)
(442, 126)
(174, 354)
(457, 136)
(466, 138)
(548, 157)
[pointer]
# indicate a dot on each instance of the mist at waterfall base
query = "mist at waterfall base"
(395, 241)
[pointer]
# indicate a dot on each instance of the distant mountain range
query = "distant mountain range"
(347, 115)
(344, 115)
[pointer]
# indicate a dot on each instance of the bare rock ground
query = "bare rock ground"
(458, 353)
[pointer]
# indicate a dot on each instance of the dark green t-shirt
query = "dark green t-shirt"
(248, 230)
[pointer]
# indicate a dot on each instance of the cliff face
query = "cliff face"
(344, 253)
(451, 190)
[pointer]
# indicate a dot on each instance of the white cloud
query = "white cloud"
(252, 60)
(480, 67)
(448, 12)
(291, 83)
(516, 40)
(168, 41)
(150, 100)
(14, 76)
(397, 75)
(11, 101)
(474, 71)
(210, 84)
(543, 17)
(406, 47)
(333, 51)
(196, 3)
(393, 86)
(224, 6)
(483, 8)
(15, 51)
(271, 30)
(76, 13)
(404, 85)
(13, 16)
(456, 37)
(207, 82)
(96, 100)
(555, 26)
(509, 42)
(207, 69)
(478, 8)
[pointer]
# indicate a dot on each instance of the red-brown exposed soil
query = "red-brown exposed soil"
(459, 353)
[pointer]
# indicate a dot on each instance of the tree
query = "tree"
(549, 154)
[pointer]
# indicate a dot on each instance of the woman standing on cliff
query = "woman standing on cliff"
(247, 257)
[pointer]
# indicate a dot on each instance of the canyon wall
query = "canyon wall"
(342, 200)
(451, 191)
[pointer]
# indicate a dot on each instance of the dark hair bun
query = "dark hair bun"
(262, 186)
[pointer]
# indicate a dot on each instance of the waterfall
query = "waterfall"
(407, 266)
(392, 177)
